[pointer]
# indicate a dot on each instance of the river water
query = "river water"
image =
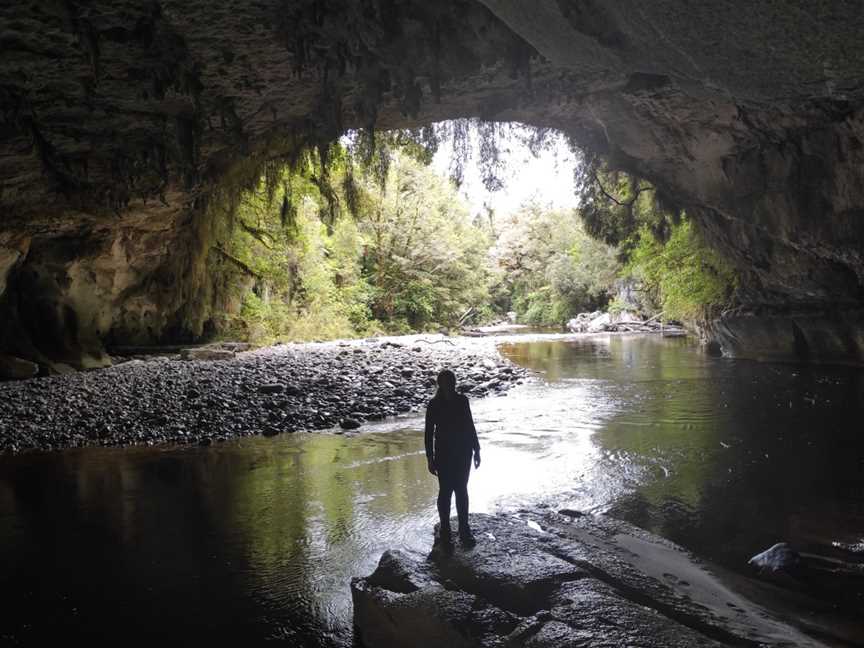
(257, 539)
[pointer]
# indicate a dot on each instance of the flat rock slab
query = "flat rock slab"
(553, 581)
(590, 613)
(12, 368)
(505, 566)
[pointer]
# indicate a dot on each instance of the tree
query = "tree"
(688, 278)
(336, 247)
(425, 259)
(551, 268)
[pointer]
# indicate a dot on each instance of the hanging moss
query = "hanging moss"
(288, 210)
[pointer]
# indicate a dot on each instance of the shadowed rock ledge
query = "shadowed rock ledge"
(565, 581)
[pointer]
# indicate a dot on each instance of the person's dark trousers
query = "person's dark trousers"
(453, 473)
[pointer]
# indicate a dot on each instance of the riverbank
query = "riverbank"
(280, 389)
(545, 579)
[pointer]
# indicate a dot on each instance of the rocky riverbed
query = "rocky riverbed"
(270, 391)
(544, 579)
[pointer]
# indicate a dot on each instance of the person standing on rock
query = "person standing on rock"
(451, 440)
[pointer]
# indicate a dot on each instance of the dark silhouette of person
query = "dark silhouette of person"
(451, 440)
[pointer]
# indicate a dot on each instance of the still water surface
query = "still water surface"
(257, 539)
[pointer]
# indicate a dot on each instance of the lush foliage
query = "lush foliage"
(686, 276)
(616, 206)
(660, 247)
(550, 269)
(361, 237)
(424, 258)
(339, 248)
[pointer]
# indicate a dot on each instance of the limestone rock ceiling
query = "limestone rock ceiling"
(108, 102)
(118, 116)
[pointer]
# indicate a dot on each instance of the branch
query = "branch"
(237, 262)
(257, 234)
(627, 204)
(606, 193)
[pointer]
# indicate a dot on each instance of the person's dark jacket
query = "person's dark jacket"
(450, 432)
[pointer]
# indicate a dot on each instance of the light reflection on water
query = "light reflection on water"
(258, 538)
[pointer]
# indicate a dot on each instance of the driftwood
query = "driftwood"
(466, 315)
(598, 322)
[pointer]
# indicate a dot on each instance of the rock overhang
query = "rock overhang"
(121, 113)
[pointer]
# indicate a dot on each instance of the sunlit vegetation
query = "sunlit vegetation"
(687, 278)
(361, 237)
(549, 268)
(660, 247)
(385, 246)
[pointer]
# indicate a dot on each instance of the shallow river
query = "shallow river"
(258, 538)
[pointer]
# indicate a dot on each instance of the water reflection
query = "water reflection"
(247, 540)
(723, 456)
(257, 539)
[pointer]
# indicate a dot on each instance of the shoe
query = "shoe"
(467, 538)
(444, 545)
(443, 537)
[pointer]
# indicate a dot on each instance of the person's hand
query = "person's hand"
(430, 463)
(476, 459)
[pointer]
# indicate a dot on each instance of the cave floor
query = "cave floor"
(543, 579)
(274, 390)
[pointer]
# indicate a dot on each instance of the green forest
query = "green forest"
(351, 240)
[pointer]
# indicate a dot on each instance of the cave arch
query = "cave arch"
(120, 118)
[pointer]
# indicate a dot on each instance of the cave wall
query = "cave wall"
(121, 120)
(70, 289)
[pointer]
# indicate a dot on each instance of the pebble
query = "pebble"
(275, 390)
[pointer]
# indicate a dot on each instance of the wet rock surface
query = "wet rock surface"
(779, 557)
(270, 391)
(546, 579)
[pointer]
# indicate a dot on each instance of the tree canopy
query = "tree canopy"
(361, 236)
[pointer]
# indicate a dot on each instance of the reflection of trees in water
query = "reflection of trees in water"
(600, 357)
(310, 510)
(115, 543)
(223, 542)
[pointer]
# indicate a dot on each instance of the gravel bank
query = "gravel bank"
(269, 391)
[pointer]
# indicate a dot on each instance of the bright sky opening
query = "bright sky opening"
(547, 177)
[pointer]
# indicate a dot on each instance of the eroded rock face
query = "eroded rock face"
(119, 118)
(79, 284)
(832, 336)
(565, 581)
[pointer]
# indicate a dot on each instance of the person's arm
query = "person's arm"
(475, 443)
(428, 438)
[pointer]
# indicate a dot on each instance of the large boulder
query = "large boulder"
(778, 557)
(599, 323)
(550, 581)
(580, 323)
(400, 604)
